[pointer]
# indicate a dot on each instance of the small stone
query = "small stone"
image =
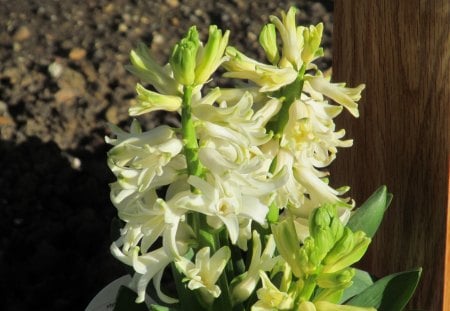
(3, 107)
(17, 47)
(173, 3)
(251, 36)
(6, 121)
(175, 21)
(109, 8)
(64, 95)
(75, 163)
(122, 27)
(145, 20)
(22, 34)
(158, 39)
(111, 115)
(77, 54)
(55, 69)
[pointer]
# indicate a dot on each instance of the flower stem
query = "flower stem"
(189, 137)
(290, 93)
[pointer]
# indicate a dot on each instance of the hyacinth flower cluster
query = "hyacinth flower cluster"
(235, 204)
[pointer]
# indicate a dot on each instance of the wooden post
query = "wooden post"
(401, 50)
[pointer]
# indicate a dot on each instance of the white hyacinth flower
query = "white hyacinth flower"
(238, 120)
(225, 204)
(271, 298)
(268, 77)
(260, 262)
(344, 96)
(204, 274)
(137, 158)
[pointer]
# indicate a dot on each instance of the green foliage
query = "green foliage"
(389, 293)
(361, 281)
(125, 301)
(369, 215)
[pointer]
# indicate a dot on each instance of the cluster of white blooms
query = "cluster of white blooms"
(243, 158)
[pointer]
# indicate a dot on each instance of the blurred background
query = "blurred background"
(62, 80)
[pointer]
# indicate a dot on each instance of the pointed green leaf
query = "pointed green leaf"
(125, 301)
(389, 293)
(361, 281)
(369, 215)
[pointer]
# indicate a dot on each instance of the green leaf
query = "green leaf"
(361, 281)
(389, 293)
(125, 301)
(161, 308)
(369, 215)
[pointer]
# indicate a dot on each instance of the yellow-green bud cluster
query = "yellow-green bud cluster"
(324, 258)
(193, 64)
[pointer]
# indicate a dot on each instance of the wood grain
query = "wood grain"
(401, 51)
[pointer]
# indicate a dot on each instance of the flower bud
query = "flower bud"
(361, 243)
(149, 71)
(148, 101)
(183, 59)
(336, 279)
(312, 37)
(288, 245)
(341, 248)
(292, 43)
(211, 56)
(325, 228)
(268, 40)
(309, 258)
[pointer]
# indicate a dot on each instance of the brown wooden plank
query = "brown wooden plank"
(401, 50)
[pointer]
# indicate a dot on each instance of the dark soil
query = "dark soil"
(62, 79)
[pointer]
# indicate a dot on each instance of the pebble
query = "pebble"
(77, 53)
(3, 107)
(158, 39)
(75, 162)
(122, 27)
(109, 8)
(6, 121)
(252, 36)
(173, 3)
(111, 115)
(55, 69)
(175, 21)
(65, 94)
(22, 34)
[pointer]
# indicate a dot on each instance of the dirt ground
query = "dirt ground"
(62, 79)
